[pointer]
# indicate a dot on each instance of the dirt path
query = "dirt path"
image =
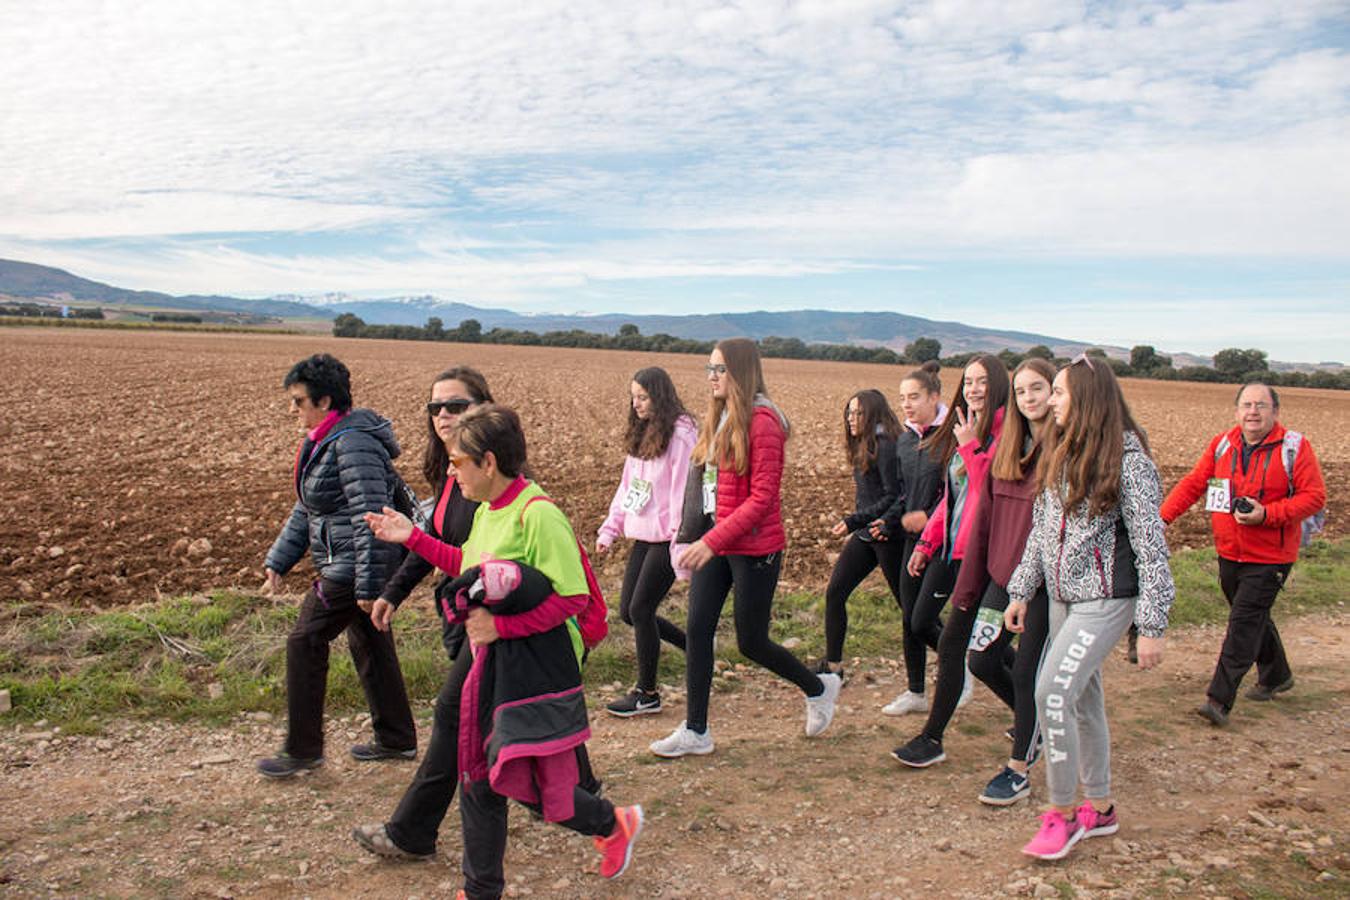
(1260, 809)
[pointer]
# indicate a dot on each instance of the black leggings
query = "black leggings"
(645, 583)
(923, 625)
(856, 562)
(993, 665)
(1030, 648)
(755, 578)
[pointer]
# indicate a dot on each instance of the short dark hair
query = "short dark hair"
(323, 375)
(1274, 395)
(493, 428)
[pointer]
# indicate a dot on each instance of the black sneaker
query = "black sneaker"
(635, 703)
(377, 751)
(1262, 693)
(825, 667)
(283, 765)
(1212, 713)
(920, 753)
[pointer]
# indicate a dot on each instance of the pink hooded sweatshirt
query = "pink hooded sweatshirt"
(652, 513)
(977, 462)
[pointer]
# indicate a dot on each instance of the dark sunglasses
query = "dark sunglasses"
(453, 407)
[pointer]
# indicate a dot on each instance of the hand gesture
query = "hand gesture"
(481, 627)
(1015, 616)
(696, 556)
(1150, 651)
(382, 613)
(390, 525)
(967, 428)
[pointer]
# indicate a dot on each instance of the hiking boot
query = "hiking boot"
(820, 710)
(1056, 837)
(376, 839)
(683, 741)
(908, 702)
(283, 765)
(920, 753)
(1212, 713)
(616, 850)
(376, 751)
(635, 703)
(1006, 788)
(1262, 693)
(1097, 823)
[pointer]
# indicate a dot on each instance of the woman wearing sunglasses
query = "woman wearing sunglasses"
(516, 521)
(646, 509)
(1096, 544)
(964, 445)
(411, 832)
(741, 452)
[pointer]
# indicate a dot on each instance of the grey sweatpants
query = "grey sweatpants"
(1069, 699)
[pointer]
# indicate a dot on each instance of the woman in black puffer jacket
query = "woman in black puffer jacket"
(342, 471)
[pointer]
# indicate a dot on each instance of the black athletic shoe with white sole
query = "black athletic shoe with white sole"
(635, 703)
(920, 753)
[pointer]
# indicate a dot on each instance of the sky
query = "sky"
(1170, 173)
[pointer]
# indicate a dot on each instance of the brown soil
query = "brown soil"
(118, 450)
(1261, 809)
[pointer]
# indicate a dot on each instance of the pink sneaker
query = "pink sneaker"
(1096, 824)
(617, 850)
(1056, 837)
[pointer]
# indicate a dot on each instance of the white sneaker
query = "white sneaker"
(908, 702)
(967, 688)
(683, 741)
(820, 710)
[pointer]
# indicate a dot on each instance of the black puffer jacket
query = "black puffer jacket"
(344, 476)
(876, 487)
(920, 476)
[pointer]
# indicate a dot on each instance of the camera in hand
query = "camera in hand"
(1243, 505)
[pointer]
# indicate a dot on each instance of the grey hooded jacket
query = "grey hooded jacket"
(346, 475)
(1122, 553)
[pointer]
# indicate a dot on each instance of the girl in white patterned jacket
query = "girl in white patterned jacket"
(1097, 545)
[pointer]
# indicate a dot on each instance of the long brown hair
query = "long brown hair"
(436, 460)
(1081, 459)
(730, 444)
(941, 444)
(877, 421)
(648, 438)
(1010, 463)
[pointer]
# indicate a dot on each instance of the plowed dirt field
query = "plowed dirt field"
(133, 463)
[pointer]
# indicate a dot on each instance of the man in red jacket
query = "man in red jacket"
(1259, 481)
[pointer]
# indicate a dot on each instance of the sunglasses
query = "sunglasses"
(453, 407)
(459, 461)
(1084, 359)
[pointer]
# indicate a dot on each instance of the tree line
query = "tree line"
(1233, 365)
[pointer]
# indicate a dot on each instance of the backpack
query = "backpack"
(593, 620)
(1289, 448)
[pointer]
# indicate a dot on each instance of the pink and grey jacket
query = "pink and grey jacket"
(659, 518)
(977, 460)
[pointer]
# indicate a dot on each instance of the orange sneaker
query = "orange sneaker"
(617, 849)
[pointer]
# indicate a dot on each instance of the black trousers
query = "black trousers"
(1026, 666)
(856, 562)
(922, 618)
(994, 666)
(646, 581)
(755, 578)
(1250, 589)
(328, 610)
(416, 821)
(482, 812)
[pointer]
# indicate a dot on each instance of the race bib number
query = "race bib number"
(988, 626)
(1217, 497)
(709, 491)
(639, 495)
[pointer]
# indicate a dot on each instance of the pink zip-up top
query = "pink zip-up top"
(659, 517)
(977, 462)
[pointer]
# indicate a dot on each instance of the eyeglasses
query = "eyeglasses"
(459, 461)
(715, 369)
(1254, 406)
(1084, 359)
(453, 407)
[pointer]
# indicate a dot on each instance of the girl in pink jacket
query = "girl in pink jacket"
(646, 509)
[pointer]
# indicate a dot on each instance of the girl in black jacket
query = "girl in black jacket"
(870, 432)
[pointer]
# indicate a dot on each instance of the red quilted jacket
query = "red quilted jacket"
(749, 519)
